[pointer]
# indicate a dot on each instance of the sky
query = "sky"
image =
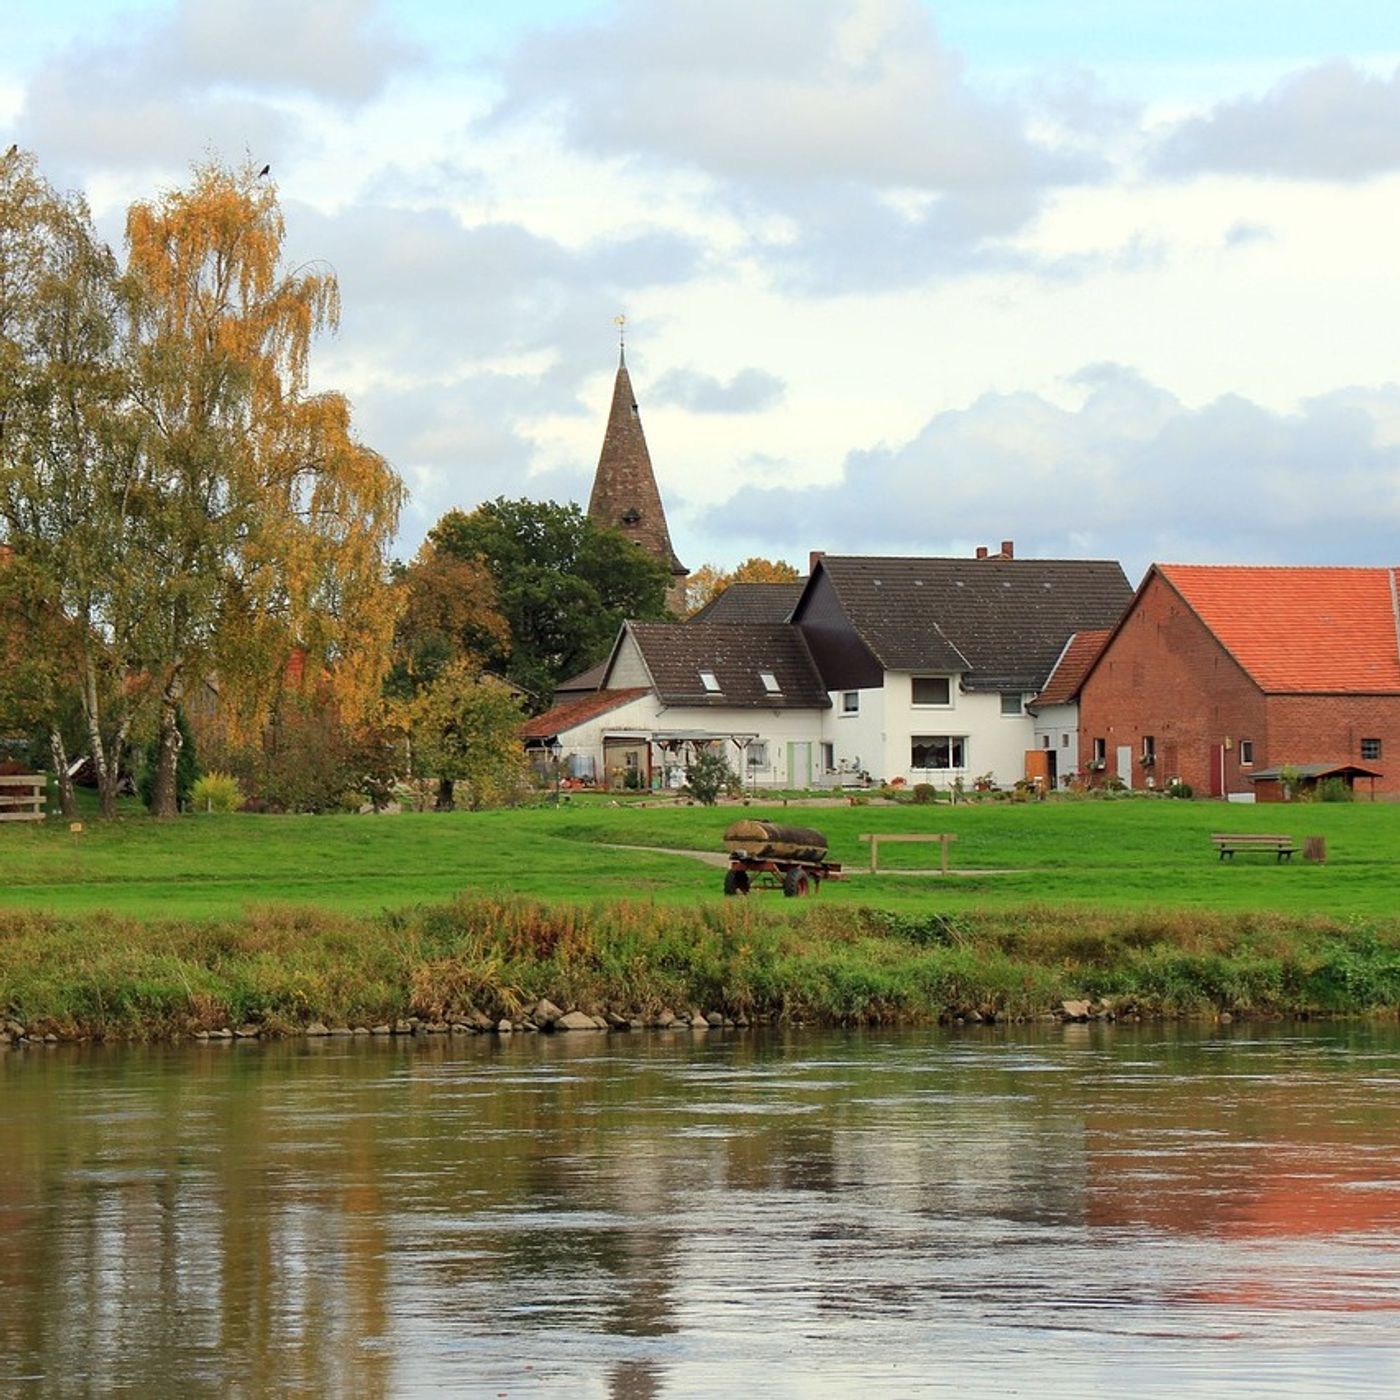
(899, 276)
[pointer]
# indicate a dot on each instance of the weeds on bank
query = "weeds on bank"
(284, 968)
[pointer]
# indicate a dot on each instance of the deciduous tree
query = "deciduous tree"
(706, 583)
(564, 584)
(466, 731)
(264, 522)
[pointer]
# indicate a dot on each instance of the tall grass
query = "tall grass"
(283, 968)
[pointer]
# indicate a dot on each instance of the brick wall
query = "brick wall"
(1165, 675)
(1330, 728)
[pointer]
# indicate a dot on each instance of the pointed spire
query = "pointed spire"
(625, 494)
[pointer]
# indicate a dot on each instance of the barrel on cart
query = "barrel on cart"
(772, 855)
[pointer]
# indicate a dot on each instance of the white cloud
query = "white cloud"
(1333, 121)
(1132, 473)
(750, 390)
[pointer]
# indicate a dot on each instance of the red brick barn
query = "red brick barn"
(1217, 670)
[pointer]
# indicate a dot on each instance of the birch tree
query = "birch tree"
(264, 520)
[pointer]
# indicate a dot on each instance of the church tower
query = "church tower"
(625, 495)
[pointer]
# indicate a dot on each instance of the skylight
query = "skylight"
(710, 681)
(770, 682)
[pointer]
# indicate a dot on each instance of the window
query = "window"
(1246, 751)
(1011, 702)
(1064, 744)
(758, 754)
(938, 751)
(1371, 748)
(932, 690)
(850, 702)
(1100, 750)
(770, 682)
(710, 681)
(1044, 741)
(829, 757)
(1149, 750)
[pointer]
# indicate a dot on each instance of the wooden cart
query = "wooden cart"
(770, 855)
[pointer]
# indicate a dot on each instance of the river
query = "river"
(1142, 1209)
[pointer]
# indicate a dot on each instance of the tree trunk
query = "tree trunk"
(165, 792)
(445, 801)
(105, 764)
(67, 803)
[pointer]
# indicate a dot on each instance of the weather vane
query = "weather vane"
(621, 323)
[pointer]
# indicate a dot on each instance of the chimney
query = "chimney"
(981, 551)
(812, 558)
(1008, 549)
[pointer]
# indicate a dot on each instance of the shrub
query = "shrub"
(216, 792)
(707, 776)
(925, 793)
(1179, 789)
(1334, 790)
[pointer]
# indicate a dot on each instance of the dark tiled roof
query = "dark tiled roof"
(745, 603)
(575, 712)
(1081, 653)
(584, 682)
(676, 653)
(1003, 622)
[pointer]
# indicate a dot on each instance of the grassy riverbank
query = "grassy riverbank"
(1120, 855)
(280, 972)
(138, 927)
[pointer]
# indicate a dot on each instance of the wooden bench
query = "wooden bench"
(1227, 845)
(878, 837)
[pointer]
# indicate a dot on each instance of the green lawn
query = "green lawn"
(1105, 854)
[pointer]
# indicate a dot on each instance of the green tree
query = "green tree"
(707, 775)
(564, 584)
(466, 730)
(68, 473)
(264, 523)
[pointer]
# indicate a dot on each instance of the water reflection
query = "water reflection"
(666, 1214)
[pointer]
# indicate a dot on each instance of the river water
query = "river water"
(1154, 1210)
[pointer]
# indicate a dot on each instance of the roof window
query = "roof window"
(710, 681)
(770, 682)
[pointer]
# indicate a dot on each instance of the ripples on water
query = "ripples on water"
(1080, 1208)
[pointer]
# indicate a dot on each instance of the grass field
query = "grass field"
(1099, 854)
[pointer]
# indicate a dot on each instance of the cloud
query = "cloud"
(1330, 122)
(429, 292)
(833, 118)
(749, 391)
(164, 90)
(1132, 473)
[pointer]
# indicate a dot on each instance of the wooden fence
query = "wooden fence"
(22, 797)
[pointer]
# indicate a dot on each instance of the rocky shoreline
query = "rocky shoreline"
(547, 1018)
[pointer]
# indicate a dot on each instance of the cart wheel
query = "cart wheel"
(795, 884)
(736, 882)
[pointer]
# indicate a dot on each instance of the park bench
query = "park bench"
(1228, 844)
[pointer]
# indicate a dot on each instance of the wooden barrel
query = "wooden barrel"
(759, 840)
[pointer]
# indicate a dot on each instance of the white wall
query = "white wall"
(882, 734)
(1060, 725)
(857, 739)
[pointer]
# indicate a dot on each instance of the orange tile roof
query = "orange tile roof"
(575, 712)
(1081, 651)
(1321, 630)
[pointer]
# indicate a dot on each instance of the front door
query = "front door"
(1125, 764)
(800, 764)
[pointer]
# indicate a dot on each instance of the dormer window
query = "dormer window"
(770, 683)
(710, 681)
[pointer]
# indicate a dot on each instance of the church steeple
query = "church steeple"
(625, 495)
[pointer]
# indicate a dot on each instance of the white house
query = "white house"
(672, 688)
(930, 663)
(1055, 711)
